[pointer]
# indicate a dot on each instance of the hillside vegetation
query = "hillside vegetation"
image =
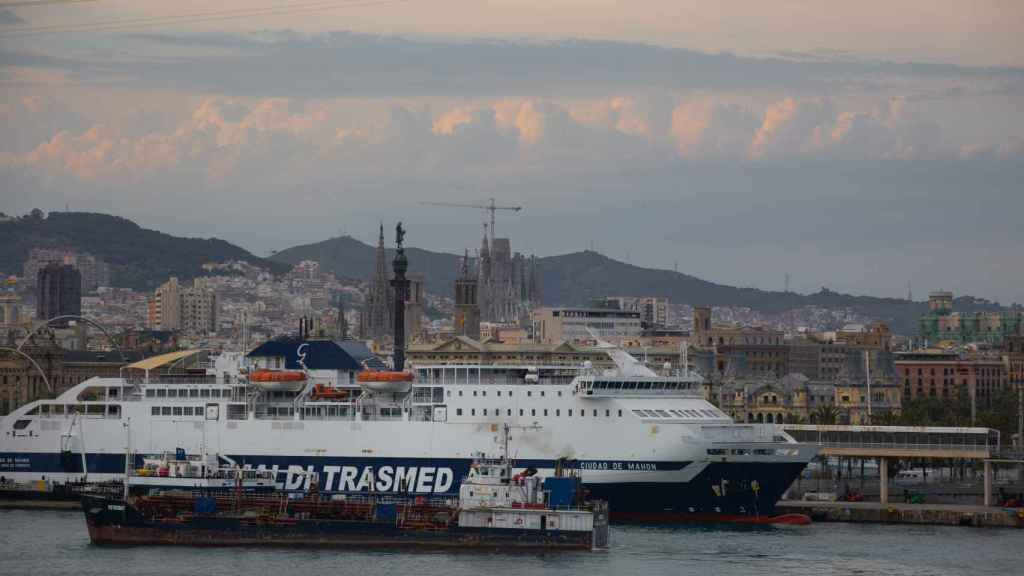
(139, 258)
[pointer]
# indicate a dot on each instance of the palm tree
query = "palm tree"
(825, 414)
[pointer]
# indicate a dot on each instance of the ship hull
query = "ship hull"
(718, 492)
(111, 523)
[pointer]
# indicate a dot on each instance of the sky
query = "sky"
(859, 146)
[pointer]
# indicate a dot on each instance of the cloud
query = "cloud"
(224, 138)
(219, 134)
(347, 64)
(707, 128)
(789, 125)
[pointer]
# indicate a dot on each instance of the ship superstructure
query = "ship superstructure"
(647, 443)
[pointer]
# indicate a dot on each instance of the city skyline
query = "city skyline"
(856, 148)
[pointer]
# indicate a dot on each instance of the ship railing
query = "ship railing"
(742, 433)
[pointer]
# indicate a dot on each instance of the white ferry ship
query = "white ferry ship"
(647, 443)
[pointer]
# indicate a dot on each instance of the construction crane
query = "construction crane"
(491, 207)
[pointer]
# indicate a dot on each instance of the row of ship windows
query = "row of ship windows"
(742, 451)
(678, 414)
(62, 410)
(177, 411)
(642, 385)
(507, 392)
(188, 393)
(596, 413)
(533, 412)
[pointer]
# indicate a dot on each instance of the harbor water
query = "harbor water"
(34, 543)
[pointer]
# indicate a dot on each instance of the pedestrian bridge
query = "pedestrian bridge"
(898, 441)
(918, 442)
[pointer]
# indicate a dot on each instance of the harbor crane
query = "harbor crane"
(491, 207)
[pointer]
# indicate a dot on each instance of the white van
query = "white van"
(912, 476)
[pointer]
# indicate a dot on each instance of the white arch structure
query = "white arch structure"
(34, 363)
(88, 321)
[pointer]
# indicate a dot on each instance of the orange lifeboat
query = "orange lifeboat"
(276, 376)
(321, 392)
(385, 382)
(370, 376)
(278, 380)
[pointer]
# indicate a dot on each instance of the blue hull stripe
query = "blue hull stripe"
(721, 488)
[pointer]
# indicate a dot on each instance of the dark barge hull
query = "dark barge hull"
(127, 527)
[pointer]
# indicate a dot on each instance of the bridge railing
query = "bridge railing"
(981, 440)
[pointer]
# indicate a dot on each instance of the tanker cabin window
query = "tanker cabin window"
(472, 412)
(510, 393)
(154, 411)
(559, 393)
(186, 411)
(620, 413)
(161, 393)
(33, 412)
(570, 411)
(485, 411)
(165, 410)
(112, 392)
(172, 393)
(520, 411)
(474, 392)
(460, 392)
(57, 409)
(178, 411)
(45, 410)
(542, 393)
(545, 411)
(205, 393)
(607, 413)
(509, 412)
(458, 411)
(150, 393)
(529, 393)
(114, 411)
(21, 424)
(595, 413)
(193, 393)
(558, 412)
(657, 386)
(533, 412)
(449, 393)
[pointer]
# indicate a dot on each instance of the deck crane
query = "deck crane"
(491, 207)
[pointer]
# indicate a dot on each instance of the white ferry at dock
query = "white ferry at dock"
(647, 443)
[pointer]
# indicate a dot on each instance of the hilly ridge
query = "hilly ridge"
(576, 278)
(139, 258)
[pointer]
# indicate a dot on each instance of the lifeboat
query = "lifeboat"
(278, 380)
(388, 382)
(321, 392)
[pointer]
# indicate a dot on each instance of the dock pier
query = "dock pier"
(892, 513)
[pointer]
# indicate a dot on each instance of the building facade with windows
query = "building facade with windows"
(553, 325)
(947, 374)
